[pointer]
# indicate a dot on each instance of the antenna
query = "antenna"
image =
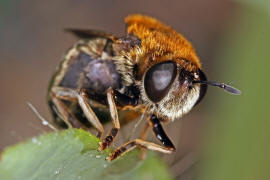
(226, 87)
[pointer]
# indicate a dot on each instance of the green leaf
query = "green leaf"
(72, 154)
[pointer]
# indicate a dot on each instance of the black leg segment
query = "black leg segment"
(160, 133)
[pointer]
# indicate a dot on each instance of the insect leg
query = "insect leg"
(89, 113)
(65, 114)
(81, 97)
(116, 124)
(160, 133)
(137, 143)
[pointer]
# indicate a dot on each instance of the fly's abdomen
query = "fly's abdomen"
(87, 66)
(75, 71)
(99, 75)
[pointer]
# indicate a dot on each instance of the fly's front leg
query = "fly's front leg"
(160, 134)
(136, 143)
(107, 141)
(81, 98)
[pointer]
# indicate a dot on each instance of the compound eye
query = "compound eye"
(158, 80)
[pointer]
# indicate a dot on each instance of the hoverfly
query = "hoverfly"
(152, 70)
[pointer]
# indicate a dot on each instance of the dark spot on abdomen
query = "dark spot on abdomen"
(71, 78)
(101, 75)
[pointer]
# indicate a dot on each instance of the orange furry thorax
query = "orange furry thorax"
(161, 43)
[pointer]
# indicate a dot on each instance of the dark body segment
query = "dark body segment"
(95, 75)
(84, 68)
(99, 75)
(76, 67)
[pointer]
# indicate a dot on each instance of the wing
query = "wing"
(90, 34)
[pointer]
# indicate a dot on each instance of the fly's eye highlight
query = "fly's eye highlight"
(158, 80)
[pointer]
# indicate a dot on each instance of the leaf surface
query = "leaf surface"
(72, 154)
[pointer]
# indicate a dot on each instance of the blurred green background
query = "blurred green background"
(225, 137)
(238, 144)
